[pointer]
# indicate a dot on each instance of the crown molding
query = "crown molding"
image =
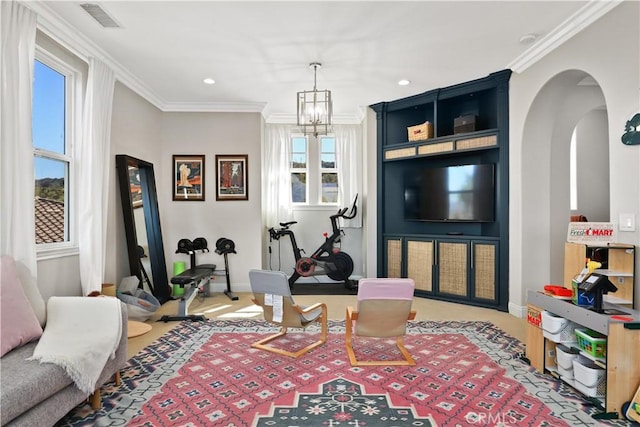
(214, 107)
(585, 16)
(337, 119)
(66, 35)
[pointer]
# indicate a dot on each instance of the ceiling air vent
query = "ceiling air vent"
(99, 14)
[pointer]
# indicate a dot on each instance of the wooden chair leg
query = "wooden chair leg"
(95, 400)
(405, 353)
(118, 379)
(349, 337)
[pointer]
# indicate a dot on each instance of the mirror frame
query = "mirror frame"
(161, 288)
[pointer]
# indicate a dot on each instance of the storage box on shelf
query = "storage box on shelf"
(564, 360)
(590, 379)
(464, 124)
(420, 132)
(592, 343)
(557, 328)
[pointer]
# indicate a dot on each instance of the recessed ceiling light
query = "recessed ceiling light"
(404, 82)
(209, 81)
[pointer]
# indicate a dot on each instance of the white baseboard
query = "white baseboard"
(519, 311)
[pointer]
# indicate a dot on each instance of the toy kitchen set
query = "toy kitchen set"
(587, 331)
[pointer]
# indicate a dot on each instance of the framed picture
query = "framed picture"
(188, 177)
(232, 181)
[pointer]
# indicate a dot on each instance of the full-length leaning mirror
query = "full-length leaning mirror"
(142, 224)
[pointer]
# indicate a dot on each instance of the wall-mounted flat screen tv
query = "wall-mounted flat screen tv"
(463, 193)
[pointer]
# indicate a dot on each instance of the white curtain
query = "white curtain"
(349, 156)
(94, 165)
(276, 177)
(17, 180)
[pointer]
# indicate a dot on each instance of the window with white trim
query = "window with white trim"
(299, 169)
(328, 170)
(53, 114)
(313, 168)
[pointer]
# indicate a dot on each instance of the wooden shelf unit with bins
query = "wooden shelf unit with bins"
(460, 269)
(444, 257)
(618, 262)
(623, 344)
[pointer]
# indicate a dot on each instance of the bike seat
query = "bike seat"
(286, 224)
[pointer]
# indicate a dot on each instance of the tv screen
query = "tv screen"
(453, 193)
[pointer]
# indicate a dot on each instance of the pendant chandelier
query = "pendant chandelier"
(314, 108)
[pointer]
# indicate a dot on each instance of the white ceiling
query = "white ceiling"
(259, 52)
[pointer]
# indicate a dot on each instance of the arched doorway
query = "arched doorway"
(570, 101)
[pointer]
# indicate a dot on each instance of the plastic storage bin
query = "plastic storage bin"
(565, 374)
(565, 356)
(590, 379)
(564, 360)
(592, 342)
(558, 329)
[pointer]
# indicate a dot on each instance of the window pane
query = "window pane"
(299, 160)
(328, 161)
(48, 109)
(299, 187)
(299, 153)
(328, 153)
(50, 190)
(299, 145)
(329, 188)
(328, 145)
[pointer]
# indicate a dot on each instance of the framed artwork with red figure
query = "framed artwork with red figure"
(188, 177)
(232, 181)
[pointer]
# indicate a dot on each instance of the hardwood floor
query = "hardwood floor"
(221, 307)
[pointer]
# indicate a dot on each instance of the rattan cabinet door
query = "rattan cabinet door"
(484, 257)
(453, 265)
(394, 257)
(420, 263)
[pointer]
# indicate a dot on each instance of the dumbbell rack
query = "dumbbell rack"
(227, 292)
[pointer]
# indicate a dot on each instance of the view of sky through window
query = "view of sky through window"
(48, 121)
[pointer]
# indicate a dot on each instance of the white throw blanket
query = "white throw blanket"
(80, 336)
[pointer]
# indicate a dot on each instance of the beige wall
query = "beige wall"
(608, 52)
(592, 137)
(240, 221)
(140, 130)
(135, 131)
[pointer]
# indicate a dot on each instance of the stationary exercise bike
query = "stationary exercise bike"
(328, 258)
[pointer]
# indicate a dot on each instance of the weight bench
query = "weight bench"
(191, 280)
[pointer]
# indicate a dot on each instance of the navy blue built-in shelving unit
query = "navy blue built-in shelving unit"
(456, 261)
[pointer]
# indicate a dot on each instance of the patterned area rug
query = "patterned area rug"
(206, 374)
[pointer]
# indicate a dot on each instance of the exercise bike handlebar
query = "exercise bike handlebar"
(342, 213)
